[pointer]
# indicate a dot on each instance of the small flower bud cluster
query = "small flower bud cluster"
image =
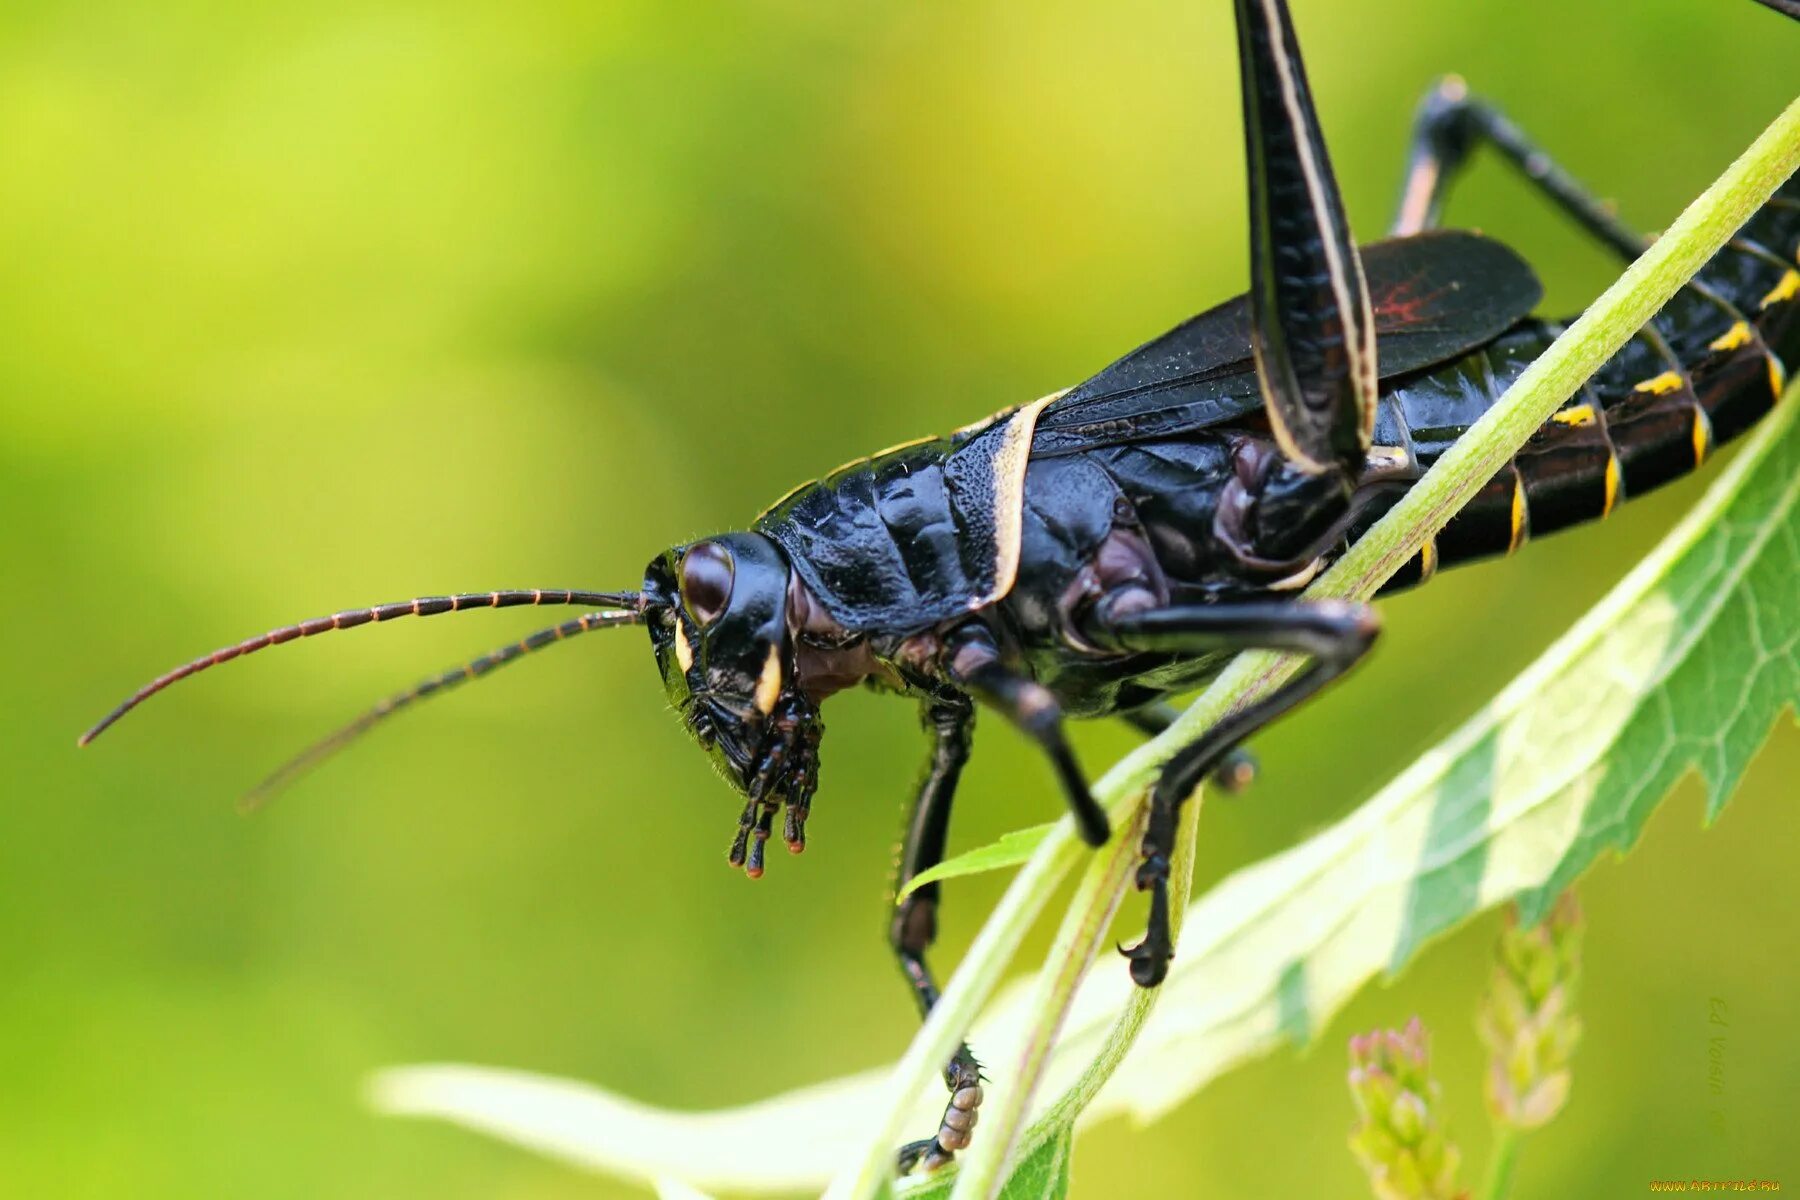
(1528, 1021)
(1400, 1139)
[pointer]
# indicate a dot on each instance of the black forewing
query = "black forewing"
(1436, 296)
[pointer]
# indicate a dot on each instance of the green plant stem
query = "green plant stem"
(1500, 1165)
(1079, 939)
(1137, 1008)
(1623, 308)
(970, 987)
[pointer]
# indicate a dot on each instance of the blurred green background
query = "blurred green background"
(312, 306)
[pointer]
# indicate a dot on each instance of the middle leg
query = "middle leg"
(950, 721)
(973, 664)
(1449, 125)
(1333, 633)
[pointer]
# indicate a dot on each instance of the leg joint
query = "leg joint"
(1447, 120)
(914, 927)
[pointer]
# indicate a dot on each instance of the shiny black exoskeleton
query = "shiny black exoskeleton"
(1101, 550)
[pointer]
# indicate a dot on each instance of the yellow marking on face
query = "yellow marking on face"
(1518, 515)
(1662, 385)
(1786, 288)
(1010, 462)
(768, 684)
(1612, 485)
(1428, 559)
(1702, 435)
(1735, 338)
(684, 651)
(1578, 415)
(1777, 376)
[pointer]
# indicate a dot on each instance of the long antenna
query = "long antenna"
(424, 606)
(326, 746)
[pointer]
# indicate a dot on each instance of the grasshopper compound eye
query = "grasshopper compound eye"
(707, 573)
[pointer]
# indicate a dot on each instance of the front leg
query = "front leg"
(1334, 633)
(950, 720)
(972, 663)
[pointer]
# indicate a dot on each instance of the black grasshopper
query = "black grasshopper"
(1097, 551)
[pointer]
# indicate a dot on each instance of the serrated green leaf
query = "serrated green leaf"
(1008, 850)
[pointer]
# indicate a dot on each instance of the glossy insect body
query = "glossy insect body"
(1702, 372)
(1097, 551)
